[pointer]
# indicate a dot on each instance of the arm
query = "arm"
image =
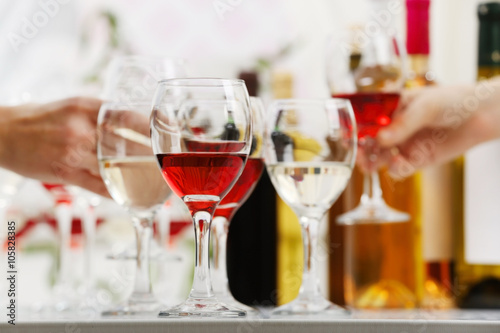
(434, 125)
(54, 142)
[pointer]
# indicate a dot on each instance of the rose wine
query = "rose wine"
(372, 110)
(309, 188)
(201, 178)
(135, 182)
(242, 189)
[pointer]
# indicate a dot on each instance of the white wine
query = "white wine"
(310, 188)
(135, 182)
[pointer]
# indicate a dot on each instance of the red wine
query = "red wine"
(60, 193)
(372, 110)
(242, 189)
(191, 174)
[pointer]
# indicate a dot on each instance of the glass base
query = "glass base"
(199, 307)
(156, 253)
(230, 301)
(146, 305)
(372, 213)
(311, 306)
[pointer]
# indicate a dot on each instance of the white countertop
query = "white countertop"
(455, 321)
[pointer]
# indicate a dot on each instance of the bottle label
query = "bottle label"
(482, 204)
(436, 201)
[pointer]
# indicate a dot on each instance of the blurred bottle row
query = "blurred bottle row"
(442, 257)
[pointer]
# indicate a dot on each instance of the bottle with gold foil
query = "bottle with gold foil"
(435, 182)
(289, 236)
(478, 249)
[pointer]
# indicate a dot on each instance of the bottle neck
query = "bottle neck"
(417, 27)
(419, 63)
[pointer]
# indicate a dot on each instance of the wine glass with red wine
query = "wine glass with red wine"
(367, 68)
(228, 207)
(310, 148)
(201, 132)
(129, 170)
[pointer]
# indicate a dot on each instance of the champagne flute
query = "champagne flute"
(201, 134)
(310, 148)
(128, 168)
(228, 207)
(368, 71)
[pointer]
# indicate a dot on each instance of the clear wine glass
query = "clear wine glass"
(310, 149)
(64, 297)
(368, 69)
(129, 170)
(201, 134)
(228, 207)
(133, 79)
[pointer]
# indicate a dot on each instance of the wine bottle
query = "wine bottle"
(380, 259)
(477, 253)
(435, 182)
(251, 242)
(288, 232)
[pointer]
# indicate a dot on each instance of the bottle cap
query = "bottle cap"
(417, 26)
(489, 34)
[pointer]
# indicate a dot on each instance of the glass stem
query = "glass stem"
(372, 192)
(310, 282)
(220, 228)
(143, 231)
(202, 286)
(63, 215)
(89, 227)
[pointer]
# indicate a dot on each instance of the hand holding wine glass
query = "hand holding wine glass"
(201, 135)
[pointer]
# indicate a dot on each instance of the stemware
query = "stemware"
(64, 297)
(310, 148)
(133, 79)
(128, 168)
(228, 207)
(201, 134)
(368, 69)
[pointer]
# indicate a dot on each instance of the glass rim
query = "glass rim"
(203, 82)
(311, 101)
(124, 104)
(146, 58)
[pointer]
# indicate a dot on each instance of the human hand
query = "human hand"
(53, 142)
(434, 125)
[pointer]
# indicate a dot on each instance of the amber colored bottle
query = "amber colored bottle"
(477, 282)
(435, 243)
(379, 259)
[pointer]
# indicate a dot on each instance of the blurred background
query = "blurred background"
(52, 49)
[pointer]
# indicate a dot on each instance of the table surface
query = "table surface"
(358, 321)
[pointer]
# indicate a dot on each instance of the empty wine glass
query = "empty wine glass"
(228, 207)
(368, 69)
(131, 175)
(310, 148)
(201, 134)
